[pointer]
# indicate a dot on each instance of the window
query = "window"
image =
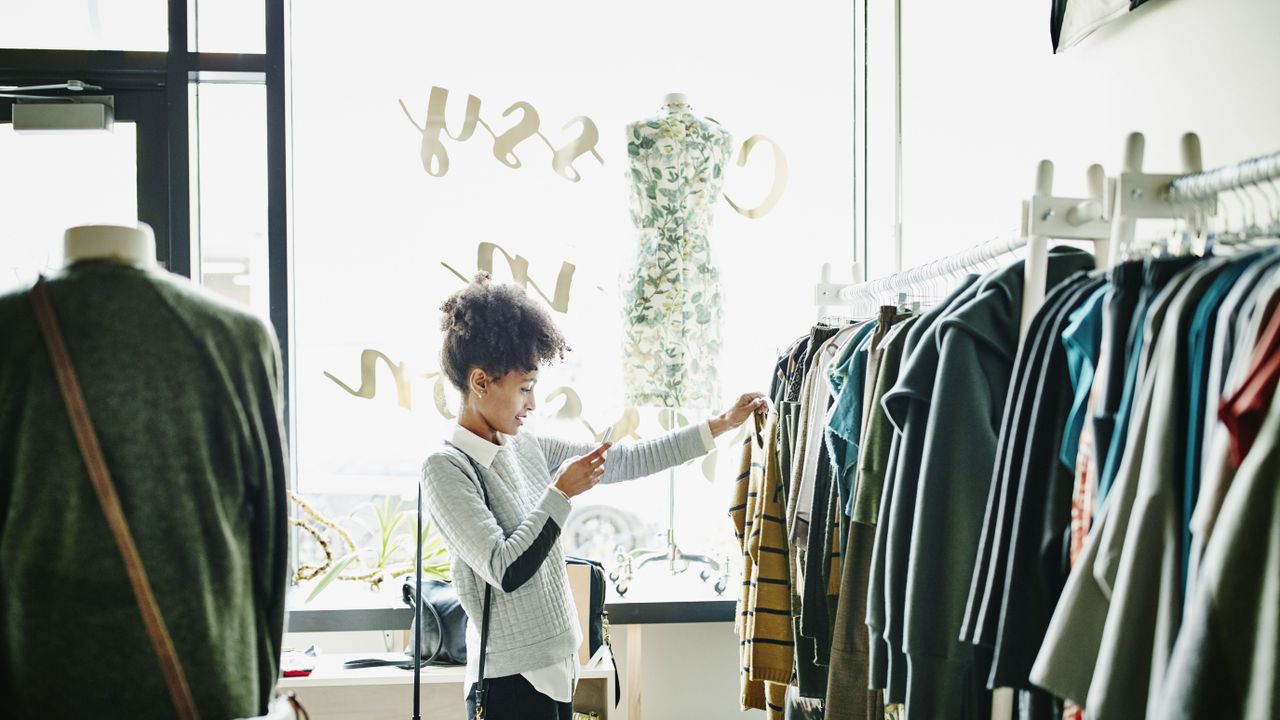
(85, 25)
(229, 26)
(380, 239)
(230, 206)
(56, 181)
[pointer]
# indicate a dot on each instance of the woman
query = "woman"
(495, 338)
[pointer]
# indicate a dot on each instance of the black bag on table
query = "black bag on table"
(597, 616)
(444, 623)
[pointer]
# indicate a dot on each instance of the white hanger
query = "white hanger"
(130, 245)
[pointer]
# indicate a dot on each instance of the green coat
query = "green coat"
(184, 391)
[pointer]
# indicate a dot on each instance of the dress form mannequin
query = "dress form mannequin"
(130, 245)
(671, 291)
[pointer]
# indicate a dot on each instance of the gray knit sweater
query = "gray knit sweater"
(533, 622)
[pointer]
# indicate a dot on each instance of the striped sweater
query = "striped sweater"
(764, 603)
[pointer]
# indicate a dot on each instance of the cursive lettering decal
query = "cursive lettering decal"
(369, 378)
(583, 144)
(519, 267)
(779, 178)
(435, 156)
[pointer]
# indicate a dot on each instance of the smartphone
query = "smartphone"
(608, 435)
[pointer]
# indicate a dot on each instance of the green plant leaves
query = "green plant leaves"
(338, 566)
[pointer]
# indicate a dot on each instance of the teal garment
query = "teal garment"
(838, 371)
(1157, 274)
(877, 435)
(1082, 339)
(844, 419)
(1199, 345)
(184, 392)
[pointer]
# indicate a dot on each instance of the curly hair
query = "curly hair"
(497, 328)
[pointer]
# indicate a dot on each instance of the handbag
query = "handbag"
(598, 619)
(597, 615)
(444, 623)
(283, 706)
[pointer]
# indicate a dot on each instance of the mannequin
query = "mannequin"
(675, 99)
(671, 291)
(130, 245)
(184, 395)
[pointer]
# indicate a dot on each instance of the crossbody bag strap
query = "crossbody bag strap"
(488, 599)
(100, 477)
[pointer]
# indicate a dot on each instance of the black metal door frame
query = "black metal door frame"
(151, 89)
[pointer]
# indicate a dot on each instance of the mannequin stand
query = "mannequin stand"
(677, 560)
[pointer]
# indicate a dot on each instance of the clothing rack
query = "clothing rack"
(1107, 218)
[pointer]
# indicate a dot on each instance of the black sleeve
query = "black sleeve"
(524, 567)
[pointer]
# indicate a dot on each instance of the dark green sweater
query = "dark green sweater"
(184, 391)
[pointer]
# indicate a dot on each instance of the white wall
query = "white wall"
(984, 99)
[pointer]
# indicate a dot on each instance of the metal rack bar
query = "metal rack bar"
(1206, 185)
(932, 270)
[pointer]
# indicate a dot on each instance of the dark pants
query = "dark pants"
(513, 698)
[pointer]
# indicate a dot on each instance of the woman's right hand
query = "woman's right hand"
(582, 473)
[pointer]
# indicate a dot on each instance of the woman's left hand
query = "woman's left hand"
(747, 405)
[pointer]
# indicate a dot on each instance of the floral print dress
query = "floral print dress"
(671, 291)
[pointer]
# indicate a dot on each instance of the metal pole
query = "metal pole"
(417, 617)
(671, 502)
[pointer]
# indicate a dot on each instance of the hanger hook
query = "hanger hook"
(1253, 221)
(1275, 214)
(1246, 200)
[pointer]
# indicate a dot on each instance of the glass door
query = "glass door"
(51, 180)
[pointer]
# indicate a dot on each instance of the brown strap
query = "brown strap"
(299, 712)
(101, 479)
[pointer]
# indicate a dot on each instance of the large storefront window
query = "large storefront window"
(530, 176)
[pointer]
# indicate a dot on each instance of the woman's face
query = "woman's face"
(505, 402)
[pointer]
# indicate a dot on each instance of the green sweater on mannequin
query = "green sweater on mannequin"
(184, 392)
